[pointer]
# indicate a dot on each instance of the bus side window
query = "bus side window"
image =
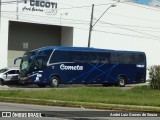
(131, 59)
(103, 58)
(99, 57)
(74, 56)
(112, 58)
(75, 59)
(93, 57)
(107, 57)
(140, 59)
(81, 57)
(59, 56)
(85, 57)
(47, 53)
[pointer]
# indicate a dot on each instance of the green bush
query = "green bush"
(154, 75)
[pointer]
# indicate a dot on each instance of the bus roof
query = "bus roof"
(62, 48)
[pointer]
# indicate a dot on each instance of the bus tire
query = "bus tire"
(121, 81)
(1, 81)
(54, 81)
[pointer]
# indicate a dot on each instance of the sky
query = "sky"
(148, 2)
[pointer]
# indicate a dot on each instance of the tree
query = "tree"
(154, 75)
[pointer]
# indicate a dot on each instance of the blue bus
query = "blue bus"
(56, 65)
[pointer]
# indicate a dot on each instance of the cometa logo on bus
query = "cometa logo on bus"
(77, 67)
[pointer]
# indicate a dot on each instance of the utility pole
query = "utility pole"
(61, 16)
(91, 26)
(90, 29)
(17, 15)
(0, 16)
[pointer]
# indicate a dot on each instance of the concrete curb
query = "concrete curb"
(81, 104)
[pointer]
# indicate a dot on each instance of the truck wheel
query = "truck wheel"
(121, 81)
(54, 81)
(1, 82)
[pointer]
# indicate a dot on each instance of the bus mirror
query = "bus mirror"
(15, 60)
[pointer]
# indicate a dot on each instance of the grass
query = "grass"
(140, 95)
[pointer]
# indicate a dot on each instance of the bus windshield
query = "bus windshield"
(25, 63)
(31, 63)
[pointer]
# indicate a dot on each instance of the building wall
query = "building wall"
(66, 36)
(12, 54)
(35, 35)
(28, 36)
(4, 42)
(128, 26)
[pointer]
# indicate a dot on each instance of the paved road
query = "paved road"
(60, 113)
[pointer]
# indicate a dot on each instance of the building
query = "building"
(29, 24)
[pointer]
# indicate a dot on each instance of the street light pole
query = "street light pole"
(17, 9)
(91, 26)
(0, 16)
(61, 16)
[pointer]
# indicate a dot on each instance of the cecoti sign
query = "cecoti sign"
(41, 3)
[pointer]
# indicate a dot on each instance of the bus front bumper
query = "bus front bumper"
(25, 80)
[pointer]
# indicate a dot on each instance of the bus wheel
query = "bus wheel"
(54, 81)
(1, 82)
(121, 81)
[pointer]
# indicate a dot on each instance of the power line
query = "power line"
(131, 30)
(130, 3)
(136, 18)
(128, 35)
(57, 19)
(131, 17)
(148, 27)
(96, 5)
(150, 38)
(54, 18)
(105, 23)
(12, 2)
(110, 13)
(87, 22)
(73, 7)
(143, 29)
(136, 26)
